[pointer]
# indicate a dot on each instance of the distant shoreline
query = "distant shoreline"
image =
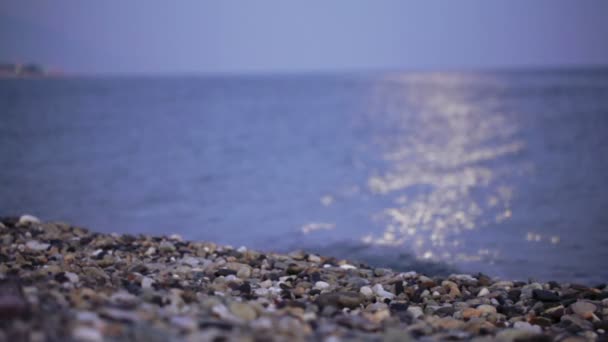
(28, 70)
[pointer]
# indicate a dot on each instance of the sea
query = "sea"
(499, 172)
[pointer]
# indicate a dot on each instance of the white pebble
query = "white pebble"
(261, 292)
(410, 274)
(73, 277)
(321, 285)
(528, 327)
(348, 267)
(146, 283)
(314, 258)
(97, 252)
(380, 291)
(415, 311)
(242, 249)
(36, 245)
(25, 219)
(366, 291)
(484, 292)
(86, 334)
(150, 251)
(176, 237)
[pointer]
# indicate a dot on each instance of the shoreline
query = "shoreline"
(61, 282)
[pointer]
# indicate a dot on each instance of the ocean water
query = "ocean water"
(504, 173)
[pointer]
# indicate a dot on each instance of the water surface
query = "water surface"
(504, 173)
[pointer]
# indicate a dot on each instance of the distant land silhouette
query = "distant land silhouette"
(26, 70)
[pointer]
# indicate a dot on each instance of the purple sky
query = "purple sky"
(288, 36)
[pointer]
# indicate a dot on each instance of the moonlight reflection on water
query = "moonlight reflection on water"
(437, 168)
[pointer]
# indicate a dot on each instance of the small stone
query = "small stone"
(483, 292)
(36, 245)
(146, 283)
(545, 296)
(541, 321)
(314, 258)
(72, 277)
(380, 291)
(511, 335)
(125, 316)
(184, 323)
(349, 300)
(243, 311)
(224, 272)
(415, 311)
(262, 292)
(297, 255)
(348, 267)
(27, 219)
(190, 261)
(469, 313)
(366, 291)
(453, 287)
(555, 312)
(244, 272)
(426, 282)
(86, 334)
(583, 309)
(166, 246)
(445, 311)
(577, 321)
(266, 284)
(465, 279)
(150, 251)
(321, 285)
(486, 309)
(528, 327)
(379, 272)
(124, 299)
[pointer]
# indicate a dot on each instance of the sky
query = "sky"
(228, 36)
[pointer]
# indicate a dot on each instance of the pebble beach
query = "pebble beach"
(60, 282)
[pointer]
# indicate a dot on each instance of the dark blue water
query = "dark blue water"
(504, 173)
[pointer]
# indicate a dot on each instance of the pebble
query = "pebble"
(28, 219)
(166, 246)
(545, 296)
(184, 323)
(62, 281)
(72, 277)
(380, 291)
(321, 285)
(37, 246)
(146, 283)
(469, 313)
(314, 258)
(366, 291)
(243, 311)
(583, 309)
(86, 334)
(244, 272)
(483, 292)
(527, 327)
(486, 309)
(415, 311)
(348, 267)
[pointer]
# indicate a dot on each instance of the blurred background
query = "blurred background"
(461, 136)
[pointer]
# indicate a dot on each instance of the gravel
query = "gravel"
(61, 282)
